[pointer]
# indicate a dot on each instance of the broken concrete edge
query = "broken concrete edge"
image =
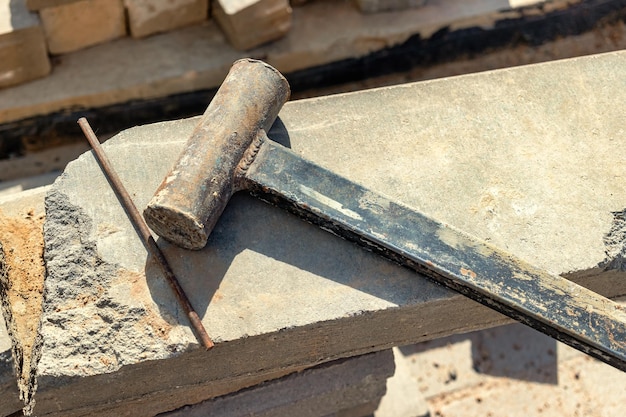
(24, 350)
(191, 397)
(244, 362)
(206, 71)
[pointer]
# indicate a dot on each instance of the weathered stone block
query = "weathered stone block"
(375, 6)
(73, 26)
(250, 23)
(322, 391)
(146, 17)
(23, 54)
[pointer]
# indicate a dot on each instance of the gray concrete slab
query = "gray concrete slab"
(345, 384)
(525, 158)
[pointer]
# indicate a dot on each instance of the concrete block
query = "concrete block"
(146, 17)
(77, 25)
(337, 387)
(250, 23)
(23, 54)
(518, 159)
(375, 6)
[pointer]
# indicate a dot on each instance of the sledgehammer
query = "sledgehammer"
(229, 151)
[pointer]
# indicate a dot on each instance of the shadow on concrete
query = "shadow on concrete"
(513, 351)
(516, 351)
(249, 224)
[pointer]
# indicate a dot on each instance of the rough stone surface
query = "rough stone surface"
(198, 57)
(375, 6)
(23, 54)
(516, 157)
(146, 17)
(318, 392)
(250, 23)
(21, 279)
(77, 25)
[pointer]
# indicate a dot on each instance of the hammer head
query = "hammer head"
(193, 195)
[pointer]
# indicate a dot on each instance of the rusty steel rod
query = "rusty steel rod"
(144, 232)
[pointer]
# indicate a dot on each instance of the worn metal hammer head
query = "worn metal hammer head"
(193, 195)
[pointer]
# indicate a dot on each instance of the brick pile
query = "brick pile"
(31, 31)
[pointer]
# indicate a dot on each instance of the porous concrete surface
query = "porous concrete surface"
(342, 385)
(524, 158)
(197, 58)
(77, 25)
(23, 54)
(147, 17)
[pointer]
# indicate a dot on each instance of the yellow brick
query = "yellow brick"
(146, 17)
(81, 24)
(23, 54)
(250, 23)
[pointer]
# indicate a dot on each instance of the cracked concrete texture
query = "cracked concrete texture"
(524, 158)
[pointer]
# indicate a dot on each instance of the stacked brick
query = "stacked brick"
(33, 30)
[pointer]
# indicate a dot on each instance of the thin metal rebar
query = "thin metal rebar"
(145, 234)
